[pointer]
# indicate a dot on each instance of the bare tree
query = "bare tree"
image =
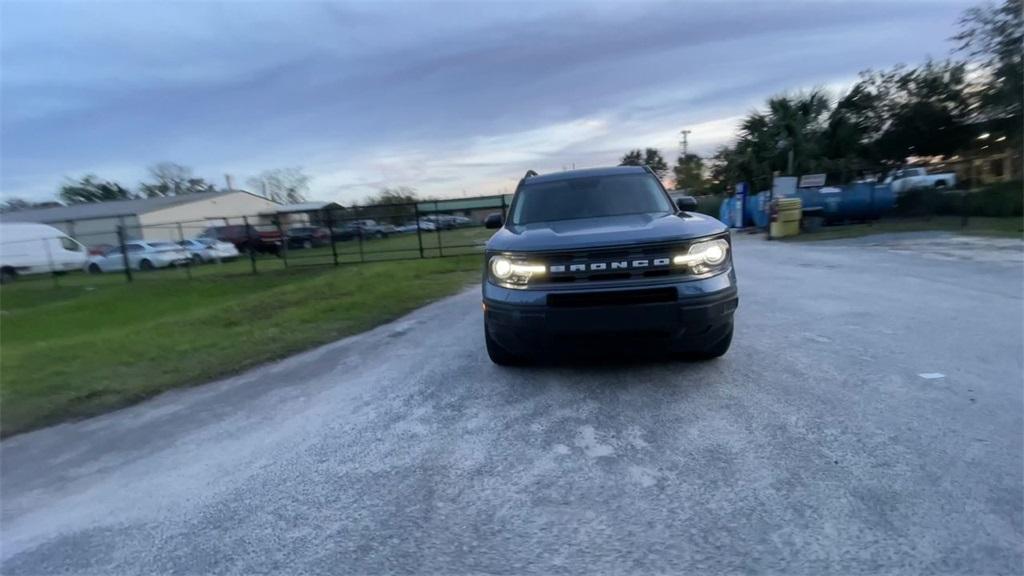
(174, 180)
(282, 184)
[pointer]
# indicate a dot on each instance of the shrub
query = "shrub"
(709, 205)
(1002, 199)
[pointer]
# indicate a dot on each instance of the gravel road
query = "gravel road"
(868, 419)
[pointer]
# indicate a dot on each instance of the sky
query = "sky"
(451, 99)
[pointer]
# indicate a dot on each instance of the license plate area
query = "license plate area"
(615, 298)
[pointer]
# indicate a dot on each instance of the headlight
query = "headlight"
(703, 256)
(513, 271)
(501, 267)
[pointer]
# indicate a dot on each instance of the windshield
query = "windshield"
(589, 198)
(164, 246)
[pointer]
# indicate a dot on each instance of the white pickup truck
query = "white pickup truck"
(907, 178)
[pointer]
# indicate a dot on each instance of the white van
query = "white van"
(27, 248)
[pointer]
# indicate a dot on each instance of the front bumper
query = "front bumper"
(697, 315)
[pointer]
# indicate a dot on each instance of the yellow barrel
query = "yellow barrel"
(785, 217)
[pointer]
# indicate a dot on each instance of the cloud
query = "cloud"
(443, 97)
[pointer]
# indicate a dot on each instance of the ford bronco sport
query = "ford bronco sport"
(604, 256)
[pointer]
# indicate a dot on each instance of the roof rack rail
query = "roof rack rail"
(530, 174)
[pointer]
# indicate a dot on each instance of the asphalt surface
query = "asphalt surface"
(868, 419)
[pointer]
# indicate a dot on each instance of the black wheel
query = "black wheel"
(94, 268)
(717, 349)
(379, 235)
(145, 265)
(7, 275)
(498, 354)
(940, 184)
(197, 259)
(307, 244)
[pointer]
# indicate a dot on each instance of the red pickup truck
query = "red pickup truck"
(260, 239)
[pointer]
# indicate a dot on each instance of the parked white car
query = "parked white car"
(908, 178)
(141, 256)
(203, 250)
(425, 226)
(29, 248)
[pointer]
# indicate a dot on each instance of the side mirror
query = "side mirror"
(493, 220)
(686, 203)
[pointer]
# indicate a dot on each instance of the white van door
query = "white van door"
(68, 254)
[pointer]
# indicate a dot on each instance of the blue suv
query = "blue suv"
(604, 257)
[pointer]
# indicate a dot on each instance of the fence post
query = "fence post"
(124, 251)
(359, 235)
(49, 259)
(249, 243)
(437, 227)
(963, 209)
(181, 240)
(329, 217)
(871, 208)
(419, 235)
(284, 241)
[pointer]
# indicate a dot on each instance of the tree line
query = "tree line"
(288, 185)
(938, 109)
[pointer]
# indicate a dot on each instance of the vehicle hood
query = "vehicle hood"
(588, 233)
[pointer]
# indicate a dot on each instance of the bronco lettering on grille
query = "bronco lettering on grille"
(612, 265)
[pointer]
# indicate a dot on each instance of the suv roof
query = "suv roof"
(588, 173)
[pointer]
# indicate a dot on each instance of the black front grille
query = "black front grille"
(612, 298)
(580, 266)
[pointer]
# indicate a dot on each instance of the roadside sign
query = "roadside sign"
(811, 181)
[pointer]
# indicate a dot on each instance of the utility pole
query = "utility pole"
(683, 143)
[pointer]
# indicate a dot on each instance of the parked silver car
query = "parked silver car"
(141, 256)
(202, 250)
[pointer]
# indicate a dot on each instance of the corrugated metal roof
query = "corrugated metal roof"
(94, 210)
(463, 204)
(307, 207)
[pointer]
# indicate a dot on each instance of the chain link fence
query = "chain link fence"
(125, 249)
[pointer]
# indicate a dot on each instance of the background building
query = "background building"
(163, 218)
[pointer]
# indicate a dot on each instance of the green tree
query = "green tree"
(993, 36)
(796, 124)
(632, 158)
(689, 173)
(15, 204)
(172, 179)
(784, 138)
(395, 195)
(394, 205)
(648, 157)
(288, 185)
(889, 115)
(90, 188)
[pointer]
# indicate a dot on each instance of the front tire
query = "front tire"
(94, 268)
(145, 265)
(498, 354)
